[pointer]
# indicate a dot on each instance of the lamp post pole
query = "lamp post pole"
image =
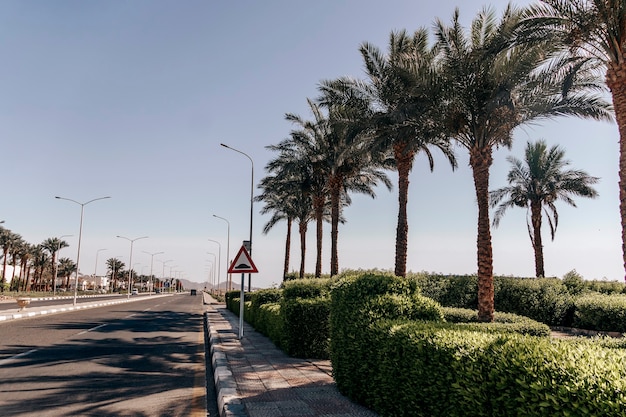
(213, 263)
(130, 260)
(151, 261)
(95, 269)
(251, 202)
(219, 256)
(163, 271)
(80, 235)
(230, 282)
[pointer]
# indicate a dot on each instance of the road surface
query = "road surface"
(144, 358)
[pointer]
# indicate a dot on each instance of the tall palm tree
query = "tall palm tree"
(8, 240)
(286, 200)
(593, 33)
(53, 245)
(404, 92)
(351, 160)
(495, 85)
(537, 183)
(66, 268)
(301, 159)
(116, 267)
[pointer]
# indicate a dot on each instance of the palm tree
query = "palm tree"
(593, 33)
(53, 245)
(404, 90)
(286, 200)
(537, 183)
(66, 268)
(115, 266)
(352, 162)
(495, 85)
(301, 160)
(8, 240)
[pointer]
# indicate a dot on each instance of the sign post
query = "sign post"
(242, 263)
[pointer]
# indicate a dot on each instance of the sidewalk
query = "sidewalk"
(254, 378)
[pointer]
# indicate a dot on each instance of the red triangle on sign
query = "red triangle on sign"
(242, 263)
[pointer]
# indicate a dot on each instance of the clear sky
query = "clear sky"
(131, 99)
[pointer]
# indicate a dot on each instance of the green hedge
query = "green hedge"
(431, 369)
(601, 312)
(305, 327)
(357, 301)
(543, 299)
(503, 322)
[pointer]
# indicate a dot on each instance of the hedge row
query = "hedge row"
(552, 301)
(427, 367)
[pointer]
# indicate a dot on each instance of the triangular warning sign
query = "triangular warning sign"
(242, 263)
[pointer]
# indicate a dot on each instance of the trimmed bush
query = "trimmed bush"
(546, 300)
(503, 322)
(449, 290)
(601, 312)
(357, 301)
(306, 288)
(436, 370)
(305, 327)
(270, 323)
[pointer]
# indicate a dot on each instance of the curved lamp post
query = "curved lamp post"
(251, 201)
(95, 269)
(151, 262)
(213, 263)
(80, 235)
(130, 259)
(219, 262)
(229, 280)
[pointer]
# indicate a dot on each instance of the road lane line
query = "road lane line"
(21, 355)
(93, 328)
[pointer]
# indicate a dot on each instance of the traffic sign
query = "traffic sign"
(242, 263)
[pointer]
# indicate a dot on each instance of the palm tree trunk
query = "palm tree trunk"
(404, 164)
(287, 247)
(302, 228)
(616, 81)
(4, 269)
(535, 218)
(335, 190)
(480, 161)
(319, 232)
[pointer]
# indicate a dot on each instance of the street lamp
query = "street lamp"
(229, 278)
(219, 256)
(130, 259)
(95, 269)
(80, 235)
(171, 278)
(251, 202)
(163, 272)
(56, 264)
(213, 262)
(151, 262)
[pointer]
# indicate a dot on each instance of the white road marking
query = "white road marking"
(21, 355)
(93, 328)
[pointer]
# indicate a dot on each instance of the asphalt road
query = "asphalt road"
(144, 358)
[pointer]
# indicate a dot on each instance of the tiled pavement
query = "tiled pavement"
(254, 378)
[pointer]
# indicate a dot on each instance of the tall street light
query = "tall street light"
(251, 202)
(229, 280)
(130, 259)
(163, 272)
(151, 262)
(80, 235)
(95, 269)
(219, 262)
(56, 264)
(213, 263)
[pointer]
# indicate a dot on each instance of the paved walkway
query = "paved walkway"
(254, 378)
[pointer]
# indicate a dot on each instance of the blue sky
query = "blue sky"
(132, 99)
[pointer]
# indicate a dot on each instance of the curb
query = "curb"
(228, 401)
(53, 310)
